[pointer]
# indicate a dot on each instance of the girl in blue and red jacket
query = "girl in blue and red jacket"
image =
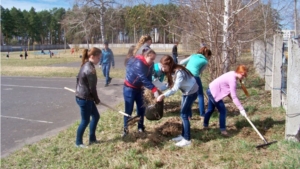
(138, 74)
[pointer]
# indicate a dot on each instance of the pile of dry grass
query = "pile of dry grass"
(149, 98)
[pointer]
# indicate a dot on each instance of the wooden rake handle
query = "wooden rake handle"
(262, 137)
(103, 104)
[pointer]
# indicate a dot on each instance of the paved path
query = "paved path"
(33, 108)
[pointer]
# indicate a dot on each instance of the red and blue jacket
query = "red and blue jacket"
(139, 74)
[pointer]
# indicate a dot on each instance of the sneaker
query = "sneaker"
(94, 142)
(105, 85)
(183, 143)
(109, 80)
(141, 130)
(178, 138)
(224, 133)
(81, 146)
(125, 133)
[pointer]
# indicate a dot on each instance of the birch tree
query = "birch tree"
(102, 5)
(224, 26)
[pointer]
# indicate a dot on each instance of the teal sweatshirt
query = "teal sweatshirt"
(195, 63)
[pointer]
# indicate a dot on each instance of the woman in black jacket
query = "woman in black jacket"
(86, 95)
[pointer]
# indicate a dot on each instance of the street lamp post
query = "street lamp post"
(134, 34)
(65, 38)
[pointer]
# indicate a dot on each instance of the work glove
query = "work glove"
(243, 113)
(156, 94)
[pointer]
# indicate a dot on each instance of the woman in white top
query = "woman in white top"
(187, 84)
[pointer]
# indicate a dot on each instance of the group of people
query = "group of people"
(142, 72)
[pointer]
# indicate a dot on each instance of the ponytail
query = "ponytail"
(85, 56)
(87, 53)
(244, 88)
(205, 51)
(142, 40)
(243, 69)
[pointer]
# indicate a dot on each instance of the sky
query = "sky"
(38, 5)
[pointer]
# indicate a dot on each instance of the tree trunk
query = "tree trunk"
(102, 22)
(225, 57)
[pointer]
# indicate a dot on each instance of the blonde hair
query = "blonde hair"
(143, 39)
(87, 53)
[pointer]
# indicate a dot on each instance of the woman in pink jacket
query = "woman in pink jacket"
(223, 86)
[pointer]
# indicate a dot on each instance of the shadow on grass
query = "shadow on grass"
(262, 126)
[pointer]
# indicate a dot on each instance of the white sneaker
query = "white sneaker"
(81, 146)
(178, 138)
(183, 143)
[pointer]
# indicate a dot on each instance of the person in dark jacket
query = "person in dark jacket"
(175, 52)
(26, 54)
(87, 96)
(138, 75)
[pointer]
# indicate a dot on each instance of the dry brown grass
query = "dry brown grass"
(153, 149)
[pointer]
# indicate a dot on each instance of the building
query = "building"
(288, 34)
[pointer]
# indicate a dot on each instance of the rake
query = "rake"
(262, 137)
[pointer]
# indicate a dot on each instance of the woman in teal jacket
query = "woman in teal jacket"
(196, 63)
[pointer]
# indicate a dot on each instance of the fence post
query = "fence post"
(293, 91)
(268, 62)
(258, 52)
(276, 71)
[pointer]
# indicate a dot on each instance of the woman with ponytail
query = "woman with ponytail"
(196, 63)
(223, 86)
(187, 84)
(87, 96)
(143, 44)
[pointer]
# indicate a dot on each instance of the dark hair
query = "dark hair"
(204, 51)
(129, 54)
(87, 53)
(168, 60)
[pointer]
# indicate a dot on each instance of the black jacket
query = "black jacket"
(86, 87)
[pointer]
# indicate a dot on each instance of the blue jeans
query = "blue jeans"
(105, 71)
(185, 114)
(175, 58)
(87, 109)
(200, 96)
(211, 107)
(132, 95)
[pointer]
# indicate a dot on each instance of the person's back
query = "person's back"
(145, 46)
(196, 63)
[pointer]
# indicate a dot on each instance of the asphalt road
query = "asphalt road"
(33, 108)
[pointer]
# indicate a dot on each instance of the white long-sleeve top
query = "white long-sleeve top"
(183, 81)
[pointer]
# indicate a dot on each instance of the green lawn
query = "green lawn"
(154, 150)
